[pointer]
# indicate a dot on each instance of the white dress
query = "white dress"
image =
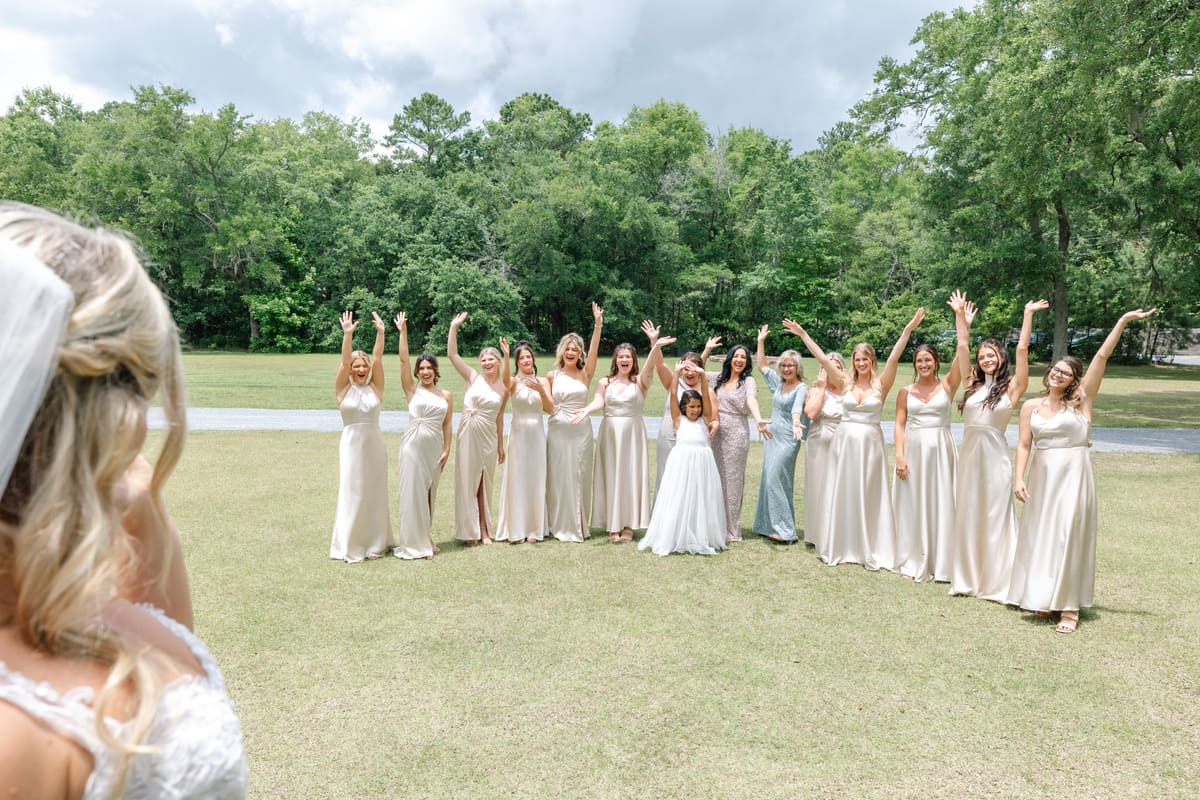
(924, 503)
(818, 464)
(363, 525)
(523, 488)
(688, 516)
(666, 436)
(420, 448)
(568, 462)
(621, 485)
(475, 460)
(197, 740)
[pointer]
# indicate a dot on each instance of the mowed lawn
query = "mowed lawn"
(1131, 397)
(597, 671)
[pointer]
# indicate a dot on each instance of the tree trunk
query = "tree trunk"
(1058, 292)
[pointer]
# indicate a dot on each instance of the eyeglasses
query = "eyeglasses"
(1065, 373)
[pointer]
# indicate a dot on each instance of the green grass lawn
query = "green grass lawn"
(596, 671)
(1134, 397)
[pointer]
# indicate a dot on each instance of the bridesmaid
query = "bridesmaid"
(523, 488)
(480, 439)
(363, 525)
(569, 446)
(1055, 565)
(823, 408)
(860, 522)
(927, 461)
(737, 398)
(621, 486)
(424, 448)
(690, 380)
(985, 522)
(775, 517)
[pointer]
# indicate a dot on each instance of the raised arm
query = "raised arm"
(505, 371)
(653, 361)
(673, 396)
(708, 404)
(1095, 371)
(711, 344)
(594, 345)
(463, 368)
(377, 356)
(342, 381)
(406, 378)
(760, 355)
(888, 376)
(964, 315)
(1020, 379)
(834, 377)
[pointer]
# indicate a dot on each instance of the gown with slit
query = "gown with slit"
(621, 477)
(818, 464)
(985, 521)
(860, 524)
(688, 516)
(362, 527)
(420, 448)
(731, 446)
(666, 437)
(1055, 564)
(523, 487)
(924, 502)
(475, 460)
(776, 511)
(568, 462)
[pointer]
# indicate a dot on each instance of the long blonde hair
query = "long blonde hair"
(63, 546)
(864, 347)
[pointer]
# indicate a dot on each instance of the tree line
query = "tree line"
(1059, 157)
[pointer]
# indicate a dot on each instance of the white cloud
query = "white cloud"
(29, 60)
(224, 33)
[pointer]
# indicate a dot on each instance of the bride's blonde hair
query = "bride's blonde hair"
(63, 545)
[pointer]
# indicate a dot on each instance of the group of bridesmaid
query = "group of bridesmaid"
(948, 515)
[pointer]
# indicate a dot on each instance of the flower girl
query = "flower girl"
(688, 517)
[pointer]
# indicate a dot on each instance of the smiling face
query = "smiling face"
(738, 361)
(525, 362)
(862, 364)
(988, 359)
(360, 370)
(489, 363)
(693, 409)
(1062, 376)
(624, 361)
(926, 364)
(427, 370)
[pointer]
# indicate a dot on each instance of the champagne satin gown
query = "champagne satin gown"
(568, 462)
(776, 511)
(818, 466)
(924, 503)
(362, 527)
(985, 522)
(621, 475)
(475, 461)
(420, 448)
(1055, 564)
(861, 526)
(523, 488)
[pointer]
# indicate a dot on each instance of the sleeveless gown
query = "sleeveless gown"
(621, 484)
(818, 466)
(776, 511)
(196, 735)
(861, 527)
(985, 522)
(1055, 565)
(523, 488)
(688, 517)
(730, 447)
(924, 503)
(420, 447)
(475, 460)
(568, 462)
(363, 525)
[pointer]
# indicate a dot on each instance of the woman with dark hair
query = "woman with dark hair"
(775, 517)
(927, 459)
(985, 523)
(621, 485)
(480, 439)
(568, 446)
(1055, 565)
(424, 448)
(523, 488)
(737, 398)
(861, 528)
(666, 428)
(362, 527)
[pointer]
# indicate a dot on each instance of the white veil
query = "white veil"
(34, 307)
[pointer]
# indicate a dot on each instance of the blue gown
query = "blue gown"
(776, 513)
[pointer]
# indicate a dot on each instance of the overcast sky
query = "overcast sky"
(789, 67)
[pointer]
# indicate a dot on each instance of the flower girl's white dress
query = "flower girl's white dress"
(688, 514)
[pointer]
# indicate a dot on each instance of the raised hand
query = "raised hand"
(597, 313)
(957, 301)
(1036, 305)
(916, 320)
(375, 318)
(401, 320)
(791, 326)
(713, 343)
(762, 332)
(969, 312)
(349, 325)
(651, 330)
(504, 346)
(458, 320)
(1136, 314)
(666, 342)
